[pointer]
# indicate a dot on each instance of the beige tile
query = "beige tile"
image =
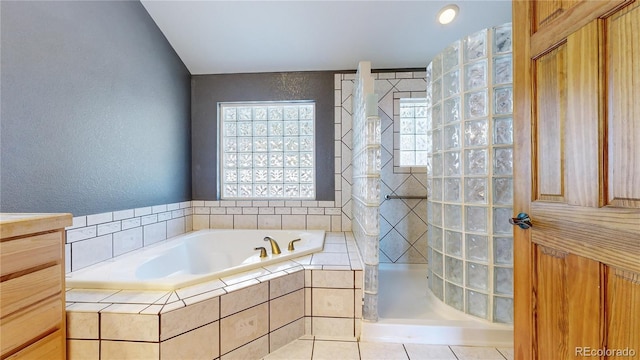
(271, 276)
(221, 221)
(245, 221)
(294, 269)
(293, 222)
(171, 306)
(82, 325)
(358, 279)
(152, 310)
(476, 352)
(135, 297)
(253, 350)
(281, 266)
(286, 284)
(84, 295)
(200, 222)
(250, 275)
(336, 267)
(205, 296)
(319, 222)
(507, 353)
(244, 298)
(269, 221)
(83, 349)
(286, 334)
(286, 309)
(332, 302)
(334, 237)
(130, 327)
(336, 222)
(307, 301)
(87, 307)
(357, 304)
(303, 260)
(198, 289)
(187, 318)
(124, 308)
(163, 300)
(307, 326)
(382, 351)
(332, 279)
(307, 278)
(321, 326)
(118, 350)
(335, 248)
(331, 350)
(330, 259)
(201, 343)
(298, 349)
(243, 327)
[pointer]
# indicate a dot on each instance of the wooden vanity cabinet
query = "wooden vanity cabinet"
(32, 286)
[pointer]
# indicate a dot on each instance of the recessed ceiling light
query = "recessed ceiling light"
(447, 14)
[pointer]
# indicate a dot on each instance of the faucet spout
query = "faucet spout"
(275, 249)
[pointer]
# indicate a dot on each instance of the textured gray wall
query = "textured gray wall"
(208, 90)
(95, 109)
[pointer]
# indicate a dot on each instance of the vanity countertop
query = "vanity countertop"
(17, 224)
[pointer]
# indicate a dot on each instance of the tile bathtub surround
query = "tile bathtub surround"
(99, 237)
(251, 313)
(270, 214)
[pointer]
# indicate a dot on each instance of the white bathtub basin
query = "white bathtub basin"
(192, 258)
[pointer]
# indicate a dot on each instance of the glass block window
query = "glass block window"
(267, 150)
(413, 132)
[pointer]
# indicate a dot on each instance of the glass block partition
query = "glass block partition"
(470, 98)
(366, 183)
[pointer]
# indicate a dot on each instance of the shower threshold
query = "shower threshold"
(409, 313)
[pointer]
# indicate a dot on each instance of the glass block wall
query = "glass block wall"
(365, 192)
(469, 93)
(267, 150)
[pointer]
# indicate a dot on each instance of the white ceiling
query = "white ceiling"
(216, 37)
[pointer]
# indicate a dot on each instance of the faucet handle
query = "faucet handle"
(263, 251)
(291, 248)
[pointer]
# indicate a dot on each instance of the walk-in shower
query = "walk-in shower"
(461, 115)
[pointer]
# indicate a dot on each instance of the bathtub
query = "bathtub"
(193, 258)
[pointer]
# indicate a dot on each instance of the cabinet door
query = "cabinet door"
(577, 174)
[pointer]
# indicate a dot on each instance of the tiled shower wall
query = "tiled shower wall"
(403, 222)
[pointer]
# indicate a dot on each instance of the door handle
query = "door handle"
(522, 220)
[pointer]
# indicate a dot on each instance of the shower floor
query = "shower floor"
(409, 313)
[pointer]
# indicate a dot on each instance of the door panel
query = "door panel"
(545, 11)
(568, 298)
(577, 173)
(623, 302)
(624, 108)
(551, 99)
(585, 146)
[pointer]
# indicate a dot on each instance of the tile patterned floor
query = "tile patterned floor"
(313, 348)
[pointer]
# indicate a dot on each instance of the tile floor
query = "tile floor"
(315, 348)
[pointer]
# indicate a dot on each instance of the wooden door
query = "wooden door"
(577, 174)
